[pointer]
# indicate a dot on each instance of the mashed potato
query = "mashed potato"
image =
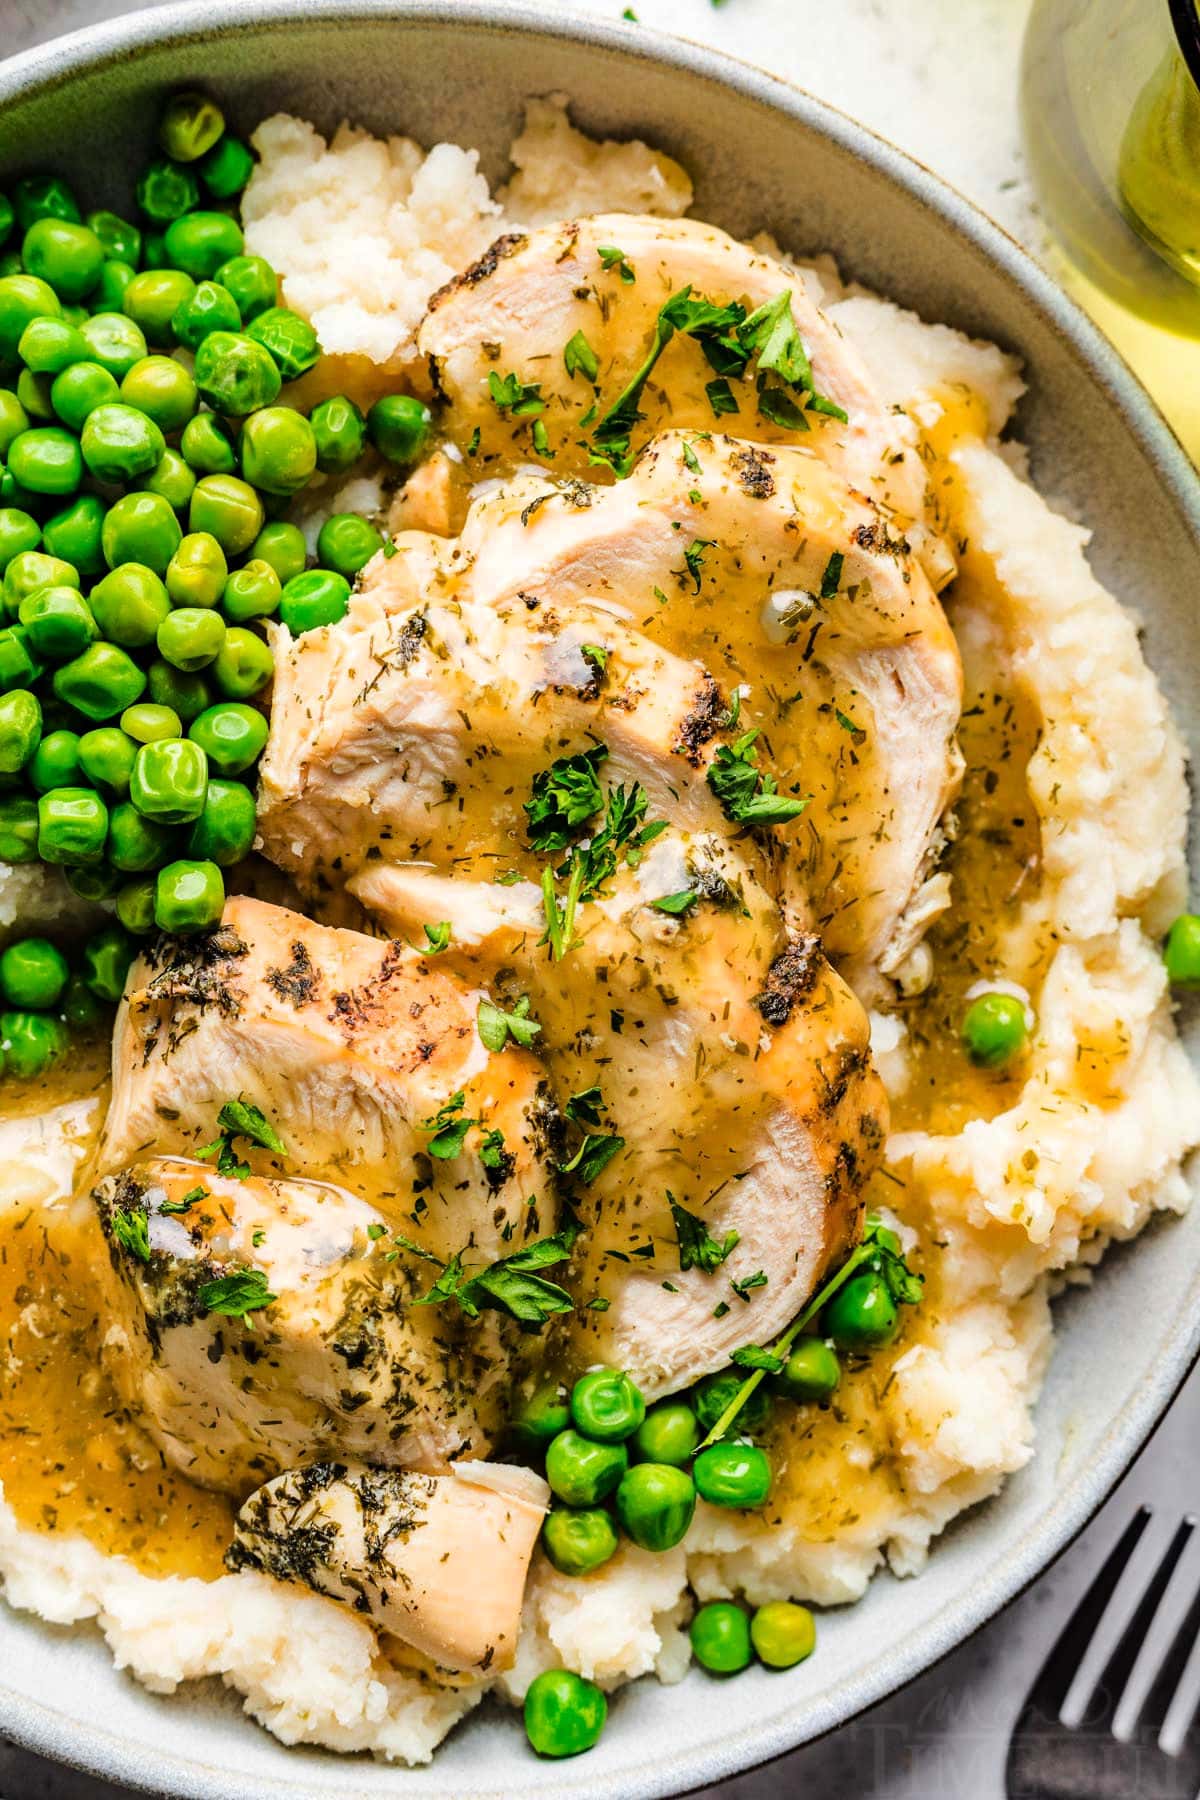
(363, 231)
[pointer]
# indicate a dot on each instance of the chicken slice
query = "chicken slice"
(515, 311)
(340, 1362)
(350, 1045)
(437, 1560)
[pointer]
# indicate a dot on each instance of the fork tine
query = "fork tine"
(1058, 1671)
(1106, 1695)
(1165, 1685)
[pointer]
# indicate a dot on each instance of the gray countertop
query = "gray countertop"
(945, 90)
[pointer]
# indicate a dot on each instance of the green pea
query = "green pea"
(172, 479)
(154, 252)
(120, 241)
(7, 218)
(18, 828)
(210, 308)
(224, 832)
(252, 282)
(65, 255)
(74, 534)
(59, 622)
(44, 197)
(101, 683)
(166, 191)
(282, 547)
(153, 298)
(340, 432)
(347, 543)
(655, 1503)
(227, 168)
(862, 1315)
(106, 962)
(13, 494)
(279, 453)
(19, 531)
(244, 664)
(130, 604)
(783, 1634)
(135, 903)
(170, 780)
(578, 1539)
(22, 298)
(398, 426)
(50, 345)
(207, 447)
(55, 763)
(229, 510)
(541, 1415)
(107, 756)
(191, 124)
(114, 340)
(720, 1634)
(188, 695)
(190, 896)
(115, 277)
(31, 1042)
(33, 391)
(564, 1713)
(72, 825)
(994, 1031)
(1181, 953)
(606, 1406)
(811, 1372)
(582, 1471)
(80, 1008)
(290, 339)
(33, 569)
(119, 443)
(137, 844)
(33, 973)
(202, 241)
(18, 665)
(146, 722)
(232, 736)
(234, 374)
(197, 573)
(79, 390)
(46, 460)
(716, 1392)
(163, 389)
(728, 1474)
(20, 729)
(141, 528)
(669, 1433)
(251, 592)
(191, 637)
(318, 597)
(13, 419)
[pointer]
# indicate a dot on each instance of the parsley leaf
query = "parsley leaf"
(241, 1292)
(449, 1126)
(753, 1356)
(240, 1119)
(520, 399)
(597, 655)
(541, 441)
(612, 258)
(747, 1284)
(690, 458)
(771, 331)
(832, 578)
(697, 1248)
(749, 795)
(564, 797)
(130, 1227)
(496, 1027)
(585, 1107)
(693, 556)
(721, 397)
(593, 1155)
(492, 1151)
(676, 904)
(184, 1203)
(439, 938)
(510, 1285)
(579, 357)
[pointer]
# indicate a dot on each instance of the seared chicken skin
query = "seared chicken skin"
(439, 1561)
(331, 1356)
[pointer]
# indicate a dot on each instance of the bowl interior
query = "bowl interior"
(762, 156)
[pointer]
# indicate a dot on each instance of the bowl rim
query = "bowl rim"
(49, 1732)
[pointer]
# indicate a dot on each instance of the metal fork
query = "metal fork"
(1049, 1760)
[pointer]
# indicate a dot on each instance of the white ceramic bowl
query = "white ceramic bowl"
(762, 155)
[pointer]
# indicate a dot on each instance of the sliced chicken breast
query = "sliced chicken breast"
(351, 1046)
(515, 312)
(437, 1560)
(332, 1357)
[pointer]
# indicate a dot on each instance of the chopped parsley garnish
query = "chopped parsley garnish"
(597, 655)
(438, 938)
(131, 1230)
(449, 1126)
(376, 1230)
(748, 794)
(612, 258)
(597, 1147)
(540, 440)
(832, 578)
(241, 1292)
(585, 1107)
(241, 1119)
(753, 1356)
(520, 399)
(698, 1249)
(472, 443)
(744, 1287)
(721, 397)
(877, 1253)
(564, 797)
(693, 556)
(184, 1203)
(691, 459)
(675, 904)
(495, 1027)
(511, 1285)
(493, 1153)
(580, 358)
